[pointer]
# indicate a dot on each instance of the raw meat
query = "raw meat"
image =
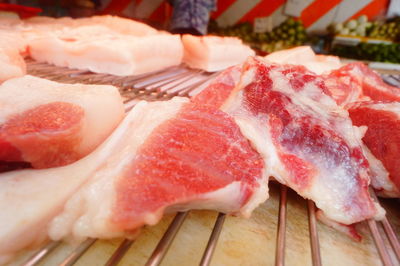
(216, 93)
(12, 38)
(113, 23)
(212, 53)
(50, 124)
(344, 88)
(306, 140)
(152, 163)
(39, 195)
(119, 25)
(192, 158)
(383, 140)
(357, 82)
(121, 55)
(11, 62)
(304, 55)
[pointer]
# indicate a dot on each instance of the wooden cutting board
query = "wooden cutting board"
(242, 241)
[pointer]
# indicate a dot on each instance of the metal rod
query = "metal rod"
(176, 88)
(394, 241)
(198, 84)
(162, 247)
(119, 253)
(78, 252)
(152, 79)
(312, 224)
(281, 236)
(212, 242)
(39, 255)
(380, 245)
(388, 230)
(130, 80)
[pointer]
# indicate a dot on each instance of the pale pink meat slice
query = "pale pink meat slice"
(50, 124)
(383, 140)
(114, 23)
(121, 55)
(213, 53)
(305, 56)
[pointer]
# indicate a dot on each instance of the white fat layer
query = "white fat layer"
(312, 100)
(317, 104)
(379, 176)
(212, 53)
(227, 199)
(20, 94)
(122, 55)
(260, 195)
(88, 213)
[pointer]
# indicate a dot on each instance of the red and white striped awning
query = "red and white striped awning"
(315, 14)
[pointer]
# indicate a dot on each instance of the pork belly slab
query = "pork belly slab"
(185, 157)
(49, 124)
(383, 140)
(306, 140)
(121, 55)
(213, 53)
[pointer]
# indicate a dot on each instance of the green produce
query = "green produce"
(387, 31)
(389, 53)
(288, 34)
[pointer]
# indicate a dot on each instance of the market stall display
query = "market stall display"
(127, 153)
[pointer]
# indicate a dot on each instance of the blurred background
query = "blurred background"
(363, 29)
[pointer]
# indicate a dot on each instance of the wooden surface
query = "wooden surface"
(242, 241)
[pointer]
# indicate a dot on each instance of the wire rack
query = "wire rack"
(181, 81)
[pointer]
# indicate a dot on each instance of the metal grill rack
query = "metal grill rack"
(392, 79)
(180, 81)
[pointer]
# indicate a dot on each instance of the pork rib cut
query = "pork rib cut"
(49, 124)
(306, 140)
(383, 140)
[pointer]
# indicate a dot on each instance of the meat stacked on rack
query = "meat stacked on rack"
(217, 151)
(110, 45)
